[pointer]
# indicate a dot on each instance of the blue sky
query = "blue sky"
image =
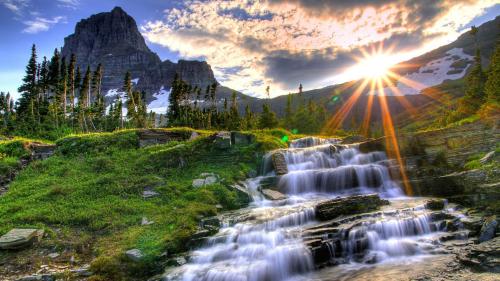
(250, 44)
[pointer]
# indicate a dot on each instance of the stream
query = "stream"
(283, 240)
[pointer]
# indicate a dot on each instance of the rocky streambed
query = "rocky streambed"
(336, 214)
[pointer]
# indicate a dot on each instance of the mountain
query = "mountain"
(113, 40)
(437, 82)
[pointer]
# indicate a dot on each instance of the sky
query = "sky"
(252, 44)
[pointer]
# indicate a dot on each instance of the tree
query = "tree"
(234, 117)
(72, 83)
(64, 86)
(492, 85)
(300, 89)
(288, 113)
(28, 90)
(268, 92)
(267, 118)
(249, 119)
(83, 100)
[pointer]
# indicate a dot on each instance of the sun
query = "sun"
(374, 66)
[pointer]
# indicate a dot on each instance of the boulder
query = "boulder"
(435, 204)
(194, 135)
(40, 151)
(488, 229)
(134, 255)
(239, 138)
(155, 136)
(356, 204)
(222, 140)
(279, 163)
(273, 195)
(148, 193)
(18, 238)
(206, 179)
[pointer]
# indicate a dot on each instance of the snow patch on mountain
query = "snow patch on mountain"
(160, 104)
(135, 81)
(452, 66)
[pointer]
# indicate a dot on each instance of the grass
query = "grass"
(93, 187)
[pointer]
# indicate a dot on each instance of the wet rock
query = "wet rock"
(38, 277)
(242, 192)
(435, 204)
(279, 163)
(19, 238)
(212, 221)
(273, 195)
(222, 140)
(334, 208)
(239, 138)
(488, 229)
(252, 174)
(134, 255)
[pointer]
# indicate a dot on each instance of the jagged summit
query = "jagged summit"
(113, 40)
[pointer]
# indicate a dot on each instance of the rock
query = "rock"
(252, 174)
(353, 139)
(113, 39)
(83, 271)
(435, 204)
(40, 151)
(149, 137)
(53, 255)
(488, 229)
(207, 179)
(194, 135)
(488, 157)
(145, 221)
(37, 277)
(239, 138)
(243, 193)
(134, 255)
(19, 238)
(148, 193)
(222, 140)
(273, 195)
(484, 256)
(356, 204)
(212, 221)
(279, 163)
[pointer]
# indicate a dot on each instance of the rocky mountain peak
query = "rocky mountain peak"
(113, 40)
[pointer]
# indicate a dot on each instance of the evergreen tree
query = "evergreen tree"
(64, 86)
(267, 119)
(25, 109)
(249, 120)
(492, 85)
(234, 117)
(72, 83)
(288, 113)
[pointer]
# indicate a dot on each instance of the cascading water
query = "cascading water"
(269, 243)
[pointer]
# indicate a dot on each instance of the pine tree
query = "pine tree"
(64, 86)
(288, 113)
(28, 90)
(83, 100)
(234, 117)
(267, 119)
(492, 85)
(300, 89)
(72, 84)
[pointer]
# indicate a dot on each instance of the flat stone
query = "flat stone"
(134, 255)
(19, 238)
(273, 195)
(356, 204)
(435, 204)
(53, 255)
(198, 182)
(239, 138)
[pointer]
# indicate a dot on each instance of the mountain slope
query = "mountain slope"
(113, 40)
(439, 75)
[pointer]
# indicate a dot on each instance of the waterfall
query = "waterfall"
(269, 243)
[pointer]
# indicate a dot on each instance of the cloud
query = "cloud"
(72, 4)
(251, 44)
(40, 24)
(16, 6)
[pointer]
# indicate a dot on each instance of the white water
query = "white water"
(268, 245)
